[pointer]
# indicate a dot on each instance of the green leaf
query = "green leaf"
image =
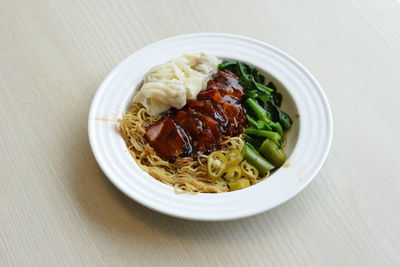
(277, 115)
(285, 120)
(255, 141)
(276, 127)
(276, 98)
(263, 125)
(263, 98)
(271, 85)
(228, 65)
(252, 121)
(264, 88)
(251, 94)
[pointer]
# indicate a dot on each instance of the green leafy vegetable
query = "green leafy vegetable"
(264, 114)
(258, 110)
(228, 65)
(266, 96)
(266, 134)
(251, 155)
(277, 115)
(262, 125)
(272, 153)
(252, 121)
(276, 127)
(255, 141)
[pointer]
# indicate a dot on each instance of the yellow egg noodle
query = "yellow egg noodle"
(185, 174)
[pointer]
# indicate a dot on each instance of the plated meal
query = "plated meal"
(182, 120)
(202, 124)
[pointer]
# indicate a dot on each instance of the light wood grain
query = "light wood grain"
(58, 208)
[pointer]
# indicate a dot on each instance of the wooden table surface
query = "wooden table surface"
(58, 209)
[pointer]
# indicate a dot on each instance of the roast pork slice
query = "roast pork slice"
(199, 126)
(168, 140)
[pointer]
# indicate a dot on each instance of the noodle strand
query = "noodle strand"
(185, 174)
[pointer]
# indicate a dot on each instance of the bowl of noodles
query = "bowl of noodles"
(210, 126)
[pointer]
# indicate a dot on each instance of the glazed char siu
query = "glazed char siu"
(199, 126)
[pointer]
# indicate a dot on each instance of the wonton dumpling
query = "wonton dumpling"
(170, 84)
(158, 97)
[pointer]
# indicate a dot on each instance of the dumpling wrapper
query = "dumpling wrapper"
(170, 84)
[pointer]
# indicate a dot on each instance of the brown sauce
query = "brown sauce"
(199, 126)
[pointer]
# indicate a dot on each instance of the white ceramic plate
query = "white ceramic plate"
(308, 140)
